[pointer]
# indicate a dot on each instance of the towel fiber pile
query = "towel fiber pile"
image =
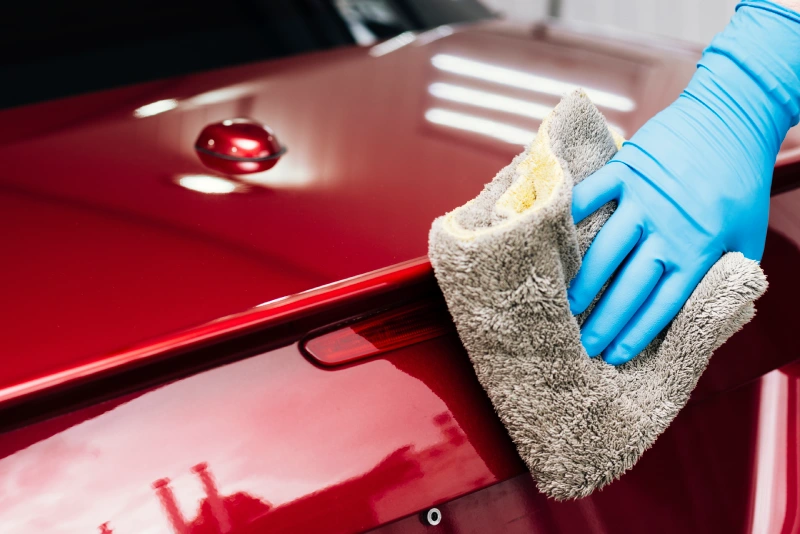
(503, 262)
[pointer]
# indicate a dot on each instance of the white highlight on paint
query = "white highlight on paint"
(211, 185)
(273, 301)
(462, 121)
(390, 45)
(435, 34)
(769, 508)
(217, 96)
(246, 144)
(156, 108)
(483, 99)
(494, 101)
(288, 174)
(525, 80)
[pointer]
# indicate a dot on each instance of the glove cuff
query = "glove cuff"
(763, 40)
(749, 77)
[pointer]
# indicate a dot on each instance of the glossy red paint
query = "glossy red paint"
(403, 278)
(787, 169)
(376, 334)
(242, 444)
(775, 491)
(727, 465)
(238, 146)
(420, 432)
(108, 254)
(270, 430)
(770, 335)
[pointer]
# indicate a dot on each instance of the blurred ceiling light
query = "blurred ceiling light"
(390, 45)
(244, 144)
(290, 173)
(282, 177)
(525, 80)
(498, 130)
(482, 99)
(220, 95)
(769, 502)
(155, 108)
(433, 35)
(211, 185)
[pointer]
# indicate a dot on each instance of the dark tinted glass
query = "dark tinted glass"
(429, 14)
(55, 48)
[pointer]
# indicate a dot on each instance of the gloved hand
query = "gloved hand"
(692, 184)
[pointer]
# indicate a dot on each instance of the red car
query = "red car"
(191, 350)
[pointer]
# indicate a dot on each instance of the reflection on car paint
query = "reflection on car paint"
(269, 427)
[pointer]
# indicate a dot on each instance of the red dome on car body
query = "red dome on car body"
(238, 146)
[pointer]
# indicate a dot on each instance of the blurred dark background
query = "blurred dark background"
(58, 48)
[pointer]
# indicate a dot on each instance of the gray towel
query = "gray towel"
(503, 261)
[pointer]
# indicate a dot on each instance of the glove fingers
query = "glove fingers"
(655, 314)
(596, 190)
(608, 250)
(626, 294)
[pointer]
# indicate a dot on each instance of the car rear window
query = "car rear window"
(55, 48)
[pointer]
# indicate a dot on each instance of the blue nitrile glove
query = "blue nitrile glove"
(692, 184)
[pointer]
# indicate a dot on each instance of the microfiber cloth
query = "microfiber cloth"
(503, 261)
